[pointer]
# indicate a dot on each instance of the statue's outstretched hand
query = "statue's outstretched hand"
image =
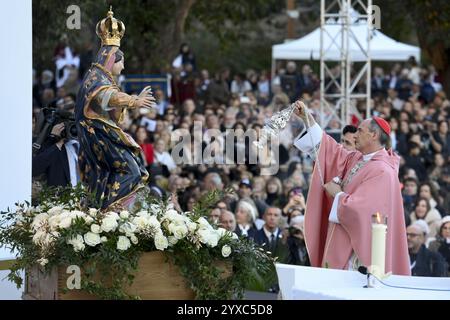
(145, 102)
(146, 91)
(146, 99)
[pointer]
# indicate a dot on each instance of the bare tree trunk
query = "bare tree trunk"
(426, 17)
(438, 56)
(172, 34)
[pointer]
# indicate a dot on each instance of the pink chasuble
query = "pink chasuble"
(374, 188)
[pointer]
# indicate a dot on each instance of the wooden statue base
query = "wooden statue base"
(156, 279)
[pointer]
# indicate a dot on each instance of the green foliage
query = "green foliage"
(428, 17)
(154, 29)
(220, 270)
(211, 279)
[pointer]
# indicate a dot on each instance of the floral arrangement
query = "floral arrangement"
(63, 230)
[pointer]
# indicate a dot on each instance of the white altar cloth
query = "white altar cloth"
(306, 283)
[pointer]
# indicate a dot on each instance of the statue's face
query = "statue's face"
(118, 67)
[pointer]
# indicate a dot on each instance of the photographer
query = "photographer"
(295, 203)
(58, 158)
(298, 254)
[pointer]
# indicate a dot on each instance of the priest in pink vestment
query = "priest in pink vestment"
(357, 184)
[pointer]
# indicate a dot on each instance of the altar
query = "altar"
(309, 283)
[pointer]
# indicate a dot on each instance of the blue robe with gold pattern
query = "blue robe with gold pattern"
(109, 159)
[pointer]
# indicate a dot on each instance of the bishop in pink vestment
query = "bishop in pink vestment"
(338, 229)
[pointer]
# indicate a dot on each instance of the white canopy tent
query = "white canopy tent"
(382, 47)
(345, 42)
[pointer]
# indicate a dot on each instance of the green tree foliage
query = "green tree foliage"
(154, 29)
(429, 20)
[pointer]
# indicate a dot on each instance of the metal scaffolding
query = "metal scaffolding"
(338, 94)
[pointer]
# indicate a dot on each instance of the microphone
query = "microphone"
(370, 282)
(363, 270)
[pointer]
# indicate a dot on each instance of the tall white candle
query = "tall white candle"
(378, 256)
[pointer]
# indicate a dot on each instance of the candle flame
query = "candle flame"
(378, 217)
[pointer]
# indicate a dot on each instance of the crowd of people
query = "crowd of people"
(268, 208)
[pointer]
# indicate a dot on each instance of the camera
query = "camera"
(52, 115)
(294, 231)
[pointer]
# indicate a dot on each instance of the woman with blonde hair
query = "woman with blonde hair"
(245, 217)
(259, 188)
(274, 190)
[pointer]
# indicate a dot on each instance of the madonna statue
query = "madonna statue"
(109, 158)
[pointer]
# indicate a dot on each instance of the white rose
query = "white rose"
(203, 222)
(171, 214)
(77, 243)
(153, 222)
(222, 232)
(203, 235)
(142, 214)
(128, 228)
(226, 251)
(112, 215)
(208, 236)
(124, 214)
(171, 227)
(77, 214)
(95, 228)
(123, 243)
(109, 224)
(172, 240)
(192, 226)
(55, 211)
(93, 212)
(140, 222)
(39, 220)
(54, 221)
(213, 239)
(161, 242)
(66, 222)
(103, 239)
(134, 239)
(88, 220)
(180, 232)
(92, 239)
(179, 219)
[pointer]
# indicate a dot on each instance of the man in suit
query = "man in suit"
(58, 160)
(270, 236)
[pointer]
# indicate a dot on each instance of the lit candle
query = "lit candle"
(378, 246)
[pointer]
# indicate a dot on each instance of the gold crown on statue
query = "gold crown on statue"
(110, 30)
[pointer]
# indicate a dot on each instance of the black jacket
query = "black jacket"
(250, 232)
(297, 252)
(54, 163)
(278, 249)
(441, 246)
(428, 264)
